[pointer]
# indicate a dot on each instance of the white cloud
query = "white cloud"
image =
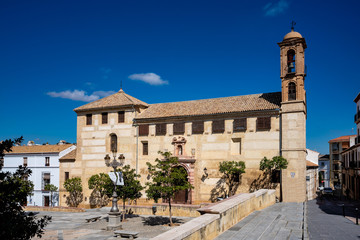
(150, 78)
(273, 9)
(80, 95)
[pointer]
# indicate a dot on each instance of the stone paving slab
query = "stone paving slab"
(279, 221)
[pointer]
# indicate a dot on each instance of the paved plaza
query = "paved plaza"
(67, 225)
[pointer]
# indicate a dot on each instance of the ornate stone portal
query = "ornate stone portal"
(187, 162)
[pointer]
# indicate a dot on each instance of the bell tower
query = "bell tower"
(293, 116)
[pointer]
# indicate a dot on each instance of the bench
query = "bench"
(93, 219)
(128, 234)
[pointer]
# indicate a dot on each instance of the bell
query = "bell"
(291, 65)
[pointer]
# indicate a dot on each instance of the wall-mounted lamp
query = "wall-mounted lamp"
(206, 172)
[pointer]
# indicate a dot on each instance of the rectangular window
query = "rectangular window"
(263, 123)
(104, 118)
(144, 130)
(239, 125)
(145, 148)
(67, 176)
(45, 180)
(198, 127)
(25, 162)
(179, 128)
(236, 147)
(161, 129)
(218, 126)
(47, 161)
(88, 119)
(121, 117)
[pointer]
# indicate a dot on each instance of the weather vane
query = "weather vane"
(292, 25)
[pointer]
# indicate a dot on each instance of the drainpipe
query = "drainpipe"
(137, 141)
(280, 152)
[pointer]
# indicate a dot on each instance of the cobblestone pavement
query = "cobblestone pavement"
(279, 221)
(326, 221)
(67, 225)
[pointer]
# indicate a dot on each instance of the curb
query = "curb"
(305, 235)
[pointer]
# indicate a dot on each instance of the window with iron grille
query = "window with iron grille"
(145, 148)
(47, 161)
(104, 118)
(198, 127)
(45, 179)
(263, 123)
(161, 129)
(121, 117)
(25, 162)
(144, 130)
(113, 142)
(239, 125)
(292, 91)
(67, 176)
(88, 119)
(179, 128)
(218, 126)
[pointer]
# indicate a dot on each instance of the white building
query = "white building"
(43, 160)
(311, 173)
(324, 171)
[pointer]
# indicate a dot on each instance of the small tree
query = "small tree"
(167, 179)
(74, 187)
(52, 188)
(102, 184)
(272, 167)
(131, 188)
(232, 171)
(14, 189)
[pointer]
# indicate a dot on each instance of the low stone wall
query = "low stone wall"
(162, 209)
(53, 209)
(218, 217)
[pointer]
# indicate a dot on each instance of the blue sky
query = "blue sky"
(56, 55)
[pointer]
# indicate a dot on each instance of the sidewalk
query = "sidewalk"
(279, 221)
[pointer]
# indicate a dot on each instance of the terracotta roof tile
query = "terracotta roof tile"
(39, 149)
(70, 156)
(311, 164)
(254, 102)
(118, 99)
(342, 138)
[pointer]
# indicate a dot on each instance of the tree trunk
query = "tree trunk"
(171, 223)
(123, 218)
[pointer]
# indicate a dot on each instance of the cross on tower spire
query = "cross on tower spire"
(292, 25)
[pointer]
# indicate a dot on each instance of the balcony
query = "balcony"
(357, 117)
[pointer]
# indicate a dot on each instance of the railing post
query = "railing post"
(343, 209)
(357, 216)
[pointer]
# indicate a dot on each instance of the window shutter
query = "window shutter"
(144, 130)
(218, 126)
(121, 117)
(104, 118)
(179, 128)
(198, 127)
(263, 123)
(88, 119)
(239, 125)
(161, 129)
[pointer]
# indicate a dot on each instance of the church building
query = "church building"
(202, 134)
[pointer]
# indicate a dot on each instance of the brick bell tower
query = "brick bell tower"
(293, 116)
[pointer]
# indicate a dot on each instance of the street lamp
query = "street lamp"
(114, 211)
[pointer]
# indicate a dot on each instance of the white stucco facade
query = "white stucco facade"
(44, 167)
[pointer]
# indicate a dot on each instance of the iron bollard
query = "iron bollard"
(357, 216)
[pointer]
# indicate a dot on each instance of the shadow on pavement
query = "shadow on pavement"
(158, 220)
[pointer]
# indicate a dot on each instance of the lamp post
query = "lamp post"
(114, 221)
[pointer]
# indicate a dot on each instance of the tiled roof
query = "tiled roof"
(311, 164)
(357, 98)
(39, 149)
(118, 99)
(342, 138)
(70, 156)
(254, 102)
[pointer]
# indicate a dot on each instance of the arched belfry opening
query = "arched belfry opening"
(291, 61)
(291, 91)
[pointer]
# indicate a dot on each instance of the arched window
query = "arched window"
(291, 61)
(113, 142)
(292, 91)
